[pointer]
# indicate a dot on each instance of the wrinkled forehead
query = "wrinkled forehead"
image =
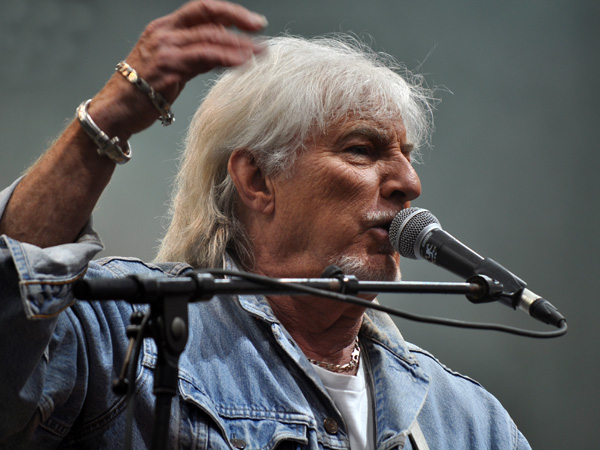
(378, 126)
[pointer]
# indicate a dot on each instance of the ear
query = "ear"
(254, 188)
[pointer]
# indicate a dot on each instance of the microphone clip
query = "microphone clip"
(489, 289)
(349, 284)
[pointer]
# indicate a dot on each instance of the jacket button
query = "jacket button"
(331, 426)
(238, 443)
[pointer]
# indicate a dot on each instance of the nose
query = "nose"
(400, 182)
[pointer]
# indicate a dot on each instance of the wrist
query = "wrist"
(110, 147)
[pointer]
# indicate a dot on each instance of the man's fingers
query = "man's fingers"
(184, 53)
(175, 48)
(203, 24)
(221, 12)
(210, 34)
(182, 64)
(199, 59)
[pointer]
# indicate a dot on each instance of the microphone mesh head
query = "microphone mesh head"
(406, 227)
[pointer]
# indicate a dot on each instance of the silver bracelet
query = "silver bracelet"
(106, 146)
(159, 102)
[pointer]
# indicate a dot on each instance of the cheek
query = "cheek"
(347, 185)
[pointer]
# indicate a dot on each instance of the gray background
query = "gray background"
(512, 172)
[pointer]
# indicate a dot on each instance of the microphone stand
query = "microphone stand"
(168, 323)
(196, 286)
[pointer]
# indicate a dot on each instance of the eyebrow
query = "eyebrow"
(374, 134)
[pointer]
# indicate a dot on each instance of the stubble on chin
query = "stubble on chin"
(363, 270)
(360, 266)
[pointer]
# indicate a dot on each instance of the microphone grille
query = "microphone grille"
(406, 227)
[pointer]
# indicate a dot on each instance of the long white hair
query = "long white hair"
(272, 107)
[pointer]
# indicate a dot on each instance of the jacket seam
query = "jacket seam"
(448, 370)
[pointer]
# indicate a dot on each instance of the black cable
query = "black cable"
(396, 312)
(141, 333)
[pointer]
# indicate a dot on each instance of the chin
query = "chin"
(367, 270)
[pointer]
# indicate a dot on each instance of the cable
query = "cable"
(131, 369)
(396, 312)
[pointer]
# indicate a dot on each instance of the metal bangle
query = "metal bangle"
(106, 146)
(159, 102)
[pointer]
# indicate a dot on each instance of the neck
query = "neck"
(324, 330)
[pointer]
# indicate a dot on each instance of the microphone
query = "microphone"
(416, 233)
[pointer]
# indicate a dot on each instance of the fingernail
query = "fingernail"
(261, 20)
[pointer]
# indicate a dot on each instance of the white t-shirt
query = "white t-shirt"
(352, 396)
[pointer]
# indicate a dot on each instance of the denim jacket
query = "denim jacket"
(243, 381)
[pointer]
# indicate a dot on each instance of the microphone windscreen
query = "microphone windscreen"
(406, 228)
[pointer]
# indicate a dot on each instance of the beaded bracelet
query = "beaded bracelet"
(159, 102)
(106, 146)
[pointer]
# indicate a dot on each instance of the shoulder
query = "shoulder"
(435, 367)
(120, 266)
(446, 384)
(458, 402)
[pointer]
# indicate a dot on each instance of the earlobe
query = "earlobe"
(253, 187)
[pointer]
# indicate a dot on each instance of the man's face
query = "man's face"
(337, 205)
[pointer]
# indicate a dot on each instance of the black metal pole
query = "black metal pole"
(169, 325)
(203, 286)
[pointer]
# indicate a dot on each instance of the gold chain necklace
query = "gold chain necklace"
(341, 368)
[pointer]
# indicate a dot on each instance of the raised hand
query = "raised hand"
(196, 38)
(54, 200)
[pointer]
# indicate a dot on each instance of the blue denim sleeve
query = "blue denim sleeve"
(34, 289)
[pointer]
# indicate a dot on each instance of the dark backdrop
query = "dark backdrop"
(513, 171)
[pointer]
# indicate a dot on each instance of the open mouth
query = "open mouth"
(384, 222)
(381, 231)
(384, 227)
(379, 225)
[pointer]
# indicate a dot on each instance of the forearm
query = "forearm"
(56, 197)
(54, 200)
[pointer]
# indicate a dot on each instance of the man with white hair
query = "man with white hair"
(297, 159)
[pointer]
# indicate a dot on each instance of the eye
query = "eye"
(360, 150)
